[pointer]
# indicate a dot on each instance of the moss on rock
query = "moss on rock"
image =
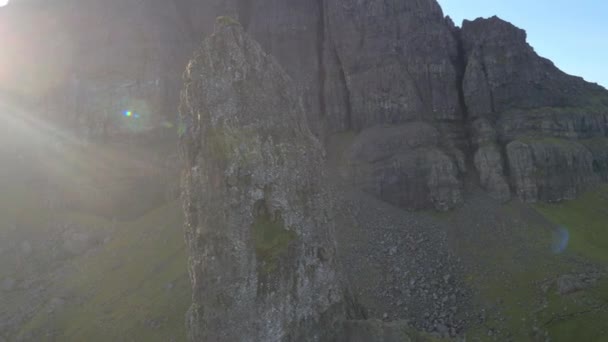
(271, 238)
(227, 21)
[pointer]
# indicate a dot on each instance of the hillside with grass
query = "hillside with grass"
(532, 271)
(537, 272)
(134, 287)
(74, 270)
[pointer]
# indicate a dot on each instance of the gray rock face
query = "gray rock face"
(101, 59)
(503, 72)
(520, 102)
(403, 165)
(489, 164)
(374, 330)
(358, 65)
(258, 220)
(550, 169)
(8, 284)
(397, 61)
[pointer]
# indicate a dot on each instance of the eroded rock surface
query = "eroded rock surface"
(258, 218)
(404, 166)
(357, 65)
(529, 115)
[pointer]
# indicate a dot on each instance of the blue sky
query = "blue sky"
(573, 34)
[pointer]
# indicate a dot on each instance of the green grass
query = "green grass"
(134, 289)
(271, 240)
(583, 315)
(227, 21)
(577, 317)
(514, 277)
(586, 219)
(531, 311)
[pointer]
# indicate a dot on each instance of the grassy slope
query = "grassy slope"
(135, 288)
(514, 278)
(121, 292)
(585, 314)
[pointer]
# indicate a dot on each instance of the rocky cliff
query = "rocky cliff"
(359, 66)
(414, 106)
(425, 104)
(533, 126)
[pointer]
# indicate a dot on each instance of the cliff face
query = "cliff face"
(425, 104)
(358, 66)
(90, 62)
(369, 66)
(530, 121)
(258, 217)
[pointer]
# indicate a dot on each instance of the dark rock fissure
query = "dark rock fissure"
(347, 97)
(321, 41)
(460, 64)
(327, 48)
(484, 69)
(244, 12)
(429, 106)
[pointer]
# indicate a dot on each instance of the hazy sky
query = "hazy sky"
(573, 34)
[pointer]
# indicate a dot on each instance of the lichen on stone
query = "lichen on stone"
(227, 21)
(271, 237)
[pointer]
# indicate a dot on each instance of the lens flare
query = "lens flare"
(3, 3)
(130, 114)
(561, 238)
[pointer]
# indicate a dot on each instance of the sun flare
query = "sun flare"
(3, 3)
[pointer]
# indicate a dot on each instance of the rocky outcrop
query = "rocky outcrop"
(102, 59)
(426, 104)
(404, 166)
(521, 104)
(550, 169)
(396, 58)
(258, 218)
(357, 65)
(503, 72)
(489, 164)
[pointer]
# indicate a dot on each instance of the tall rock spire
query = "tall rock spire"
(258, 219)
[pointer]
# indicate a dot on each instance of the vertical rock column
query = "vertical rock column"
(258, 223)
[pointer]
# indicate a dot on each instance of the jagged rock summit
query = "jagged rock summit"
(258, 218)
(543, 128)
